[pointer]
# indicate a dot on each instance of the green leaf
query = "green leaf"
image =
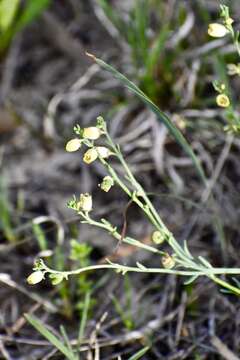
(205, 262)
(8, 9)
(139, 354)
(185, 246)
(177, 135)
(141, 266)
(40, 327)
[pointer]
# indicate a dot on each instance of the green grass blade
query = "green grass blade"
(84, 318)
(40, 327)
(8, 10)
(40, 236)
(139, 354)
(160, 114)
(66, 339)
(155, 51)
(141, 26)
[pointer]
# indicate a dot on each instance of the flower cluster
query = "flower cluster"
(218, 30)
(87, 137)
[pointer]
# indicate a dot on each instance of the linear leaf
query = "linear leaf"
(139, 354)
(40, 327)
(160, 114)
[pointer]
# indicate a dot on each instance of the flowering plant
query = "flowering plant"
(175, 258)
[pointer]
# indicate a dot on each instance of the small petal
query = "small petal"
(217, 30)
(91, 133)
(35, 277)
(223, 100)
(73, 145)
(90, 156)
(103, 151)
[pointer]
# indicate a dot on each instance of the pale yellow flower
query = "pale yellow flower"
(85, 202)
(73, 145)
(223, 100)
(35, 277)
(90, 156)
(91, 133)
(217, 30)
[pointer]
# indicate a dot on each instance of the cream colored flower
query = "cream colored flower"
(217, 30)
(85, 202)
(35, 278)
(223, 100)
(103, 151)
(90, 156)
(91, 133)
(73, 145)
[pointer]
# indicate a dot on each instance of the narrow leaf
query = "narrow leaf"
(205, 262)
(185, 246)
(84, 318)
(141, 266)
(139, 354)
(40, 327)
(177, 135)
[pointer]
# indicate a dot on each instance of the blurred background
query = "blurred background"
(48, 85)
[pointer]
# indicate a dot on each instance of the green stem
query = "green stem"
(128, 240)
(206, 272)
(225, 284)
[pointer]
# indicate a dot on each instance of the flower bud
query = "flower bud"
(101, 124)
(90, 156)
(158, 237)
(56, 278)
(223, 100)
(103, 151)
(85, 202)
(107, 183)
(73, 145)
(168, 261)
(91, 133)
(229, 21)
(35, 277)
(217, 30)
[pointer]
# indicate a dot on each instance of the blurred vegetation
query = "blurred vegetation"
(15, 16)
